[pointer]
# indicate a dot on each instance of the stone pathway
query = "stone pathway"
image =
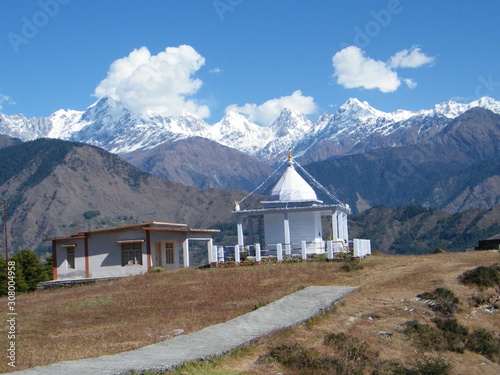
(209, 342)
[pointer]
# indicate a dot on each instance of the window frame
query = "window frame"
(131, 253)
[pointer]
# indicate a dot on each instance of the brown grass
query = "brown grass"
(126, 314)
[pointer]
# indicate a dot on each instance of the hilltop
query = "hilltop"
(56, 187)
(111, 317)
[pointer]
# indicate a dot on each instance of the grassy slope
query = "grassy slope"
(129, 313)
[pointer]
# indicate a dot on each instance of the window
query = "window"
(131, 253)
(169, 250)
(70, 257)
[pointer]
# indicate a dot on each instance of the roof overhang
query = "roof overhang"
(326, 208)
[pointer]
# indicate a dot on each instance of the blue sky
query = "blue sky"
(256, 56)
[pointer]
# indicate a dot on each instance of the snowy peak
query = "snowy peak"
(108, 124)
(290, 122)
(452, 109)
(353, 108)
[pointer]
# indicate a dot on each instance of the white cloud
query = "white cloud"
(413, 58)
(215, 70)
(158, 83)
(353, 69)
(267, 112)
(5, 99)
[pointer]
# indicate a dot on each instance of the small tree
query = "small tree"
(20, 283)
(32, 268)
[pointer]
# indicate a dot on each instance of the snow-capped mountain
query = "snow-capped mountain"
(355, 127)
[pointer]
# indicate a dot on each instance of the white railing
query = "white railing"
(361, 248)
(280, 251)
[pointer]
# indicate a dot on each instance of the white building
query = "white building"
(292, 215)
(124, 251)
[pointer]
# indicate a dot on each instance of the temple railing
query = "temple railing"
(282, 251)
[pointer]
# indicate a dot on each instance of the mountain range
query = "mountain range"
(445, 158)
(356, 127)
(235, 153)
(54, 188)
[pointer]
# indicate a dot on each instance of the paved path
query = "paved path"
(209, 342)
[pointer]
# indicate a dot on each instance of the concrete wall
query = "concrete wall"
(105, 253)
(304, 226)
(63, 272)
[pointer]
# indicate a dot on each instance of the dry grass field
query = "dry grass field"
(129, 313)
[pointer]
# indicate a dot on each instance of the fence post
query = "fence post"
(304, 249)
(213, 255)
(356, 248)
(257, 252)
(237, 253)
(220, 256)
(279, 252)
(329, 249)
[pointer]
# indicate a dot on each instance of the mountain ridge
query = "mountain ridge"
(109, 125)
(54, 188)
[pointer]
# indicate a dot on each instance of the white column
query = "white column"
(335, 226)
(279, 252)
(210, 244)
(357, 248)
(257, 252)
(304, 249)
(346, 231)
(329, 249)
(237, 254)
(220, 254)
(240, 231)
(213, 255)
(185, 252)
(286, 226)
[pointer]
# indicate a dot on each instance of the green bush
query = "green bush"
(482, 276)
(484, 342)
(414, 326)
(156, 270)
(426, 366)
(454, 334)
(444, 301)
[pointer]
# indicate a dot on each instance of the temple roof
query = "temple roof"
(291, 187)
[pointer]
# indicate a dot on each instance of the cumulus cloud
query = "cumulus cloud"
(159, 83)
(353, 69)
(413, 58)
(267, 112)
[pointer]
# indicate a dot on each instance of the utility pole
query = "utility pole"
(5, 231)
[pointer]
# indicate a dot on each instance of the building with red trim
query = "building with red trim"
(126, 250)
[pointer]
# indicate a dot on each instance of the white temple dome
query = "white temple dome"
(291, 187)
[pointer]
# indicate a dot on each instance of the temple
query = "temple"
(294, 215)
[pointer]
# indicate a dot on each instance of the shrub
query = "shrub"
(156, 270)
(414, 326)
(482, 276)
(443, 300)
(454, 334)
(484, 342)
(349, 266)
